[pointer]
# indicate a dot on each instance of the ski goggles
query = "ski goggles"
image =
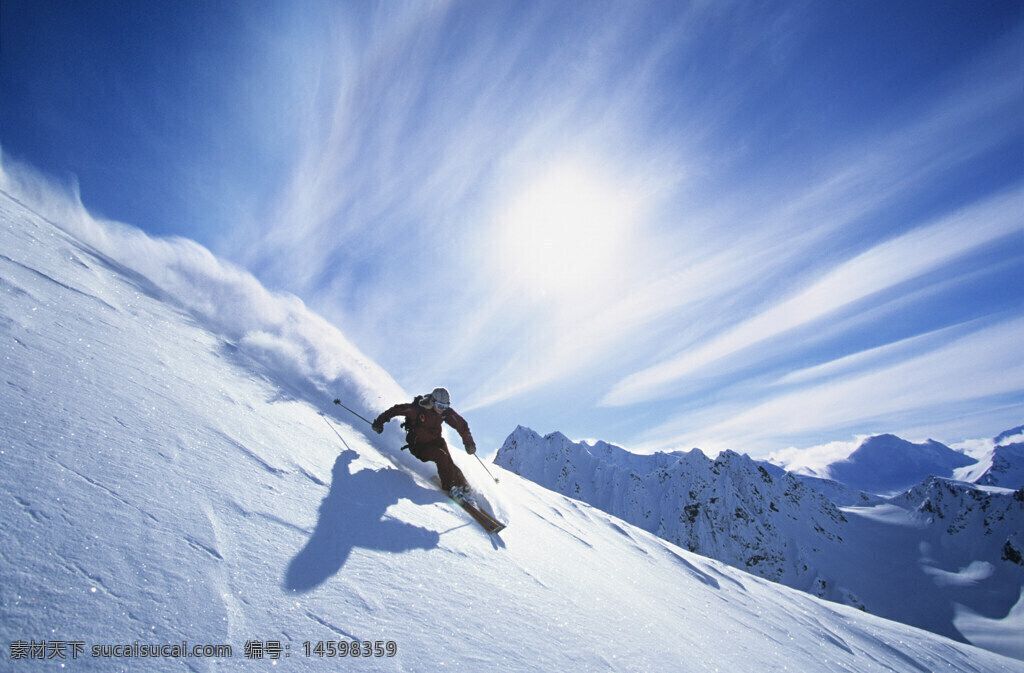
(441, 406)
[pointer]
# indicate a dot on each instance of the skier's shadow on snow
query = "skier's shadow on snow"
(352, 515)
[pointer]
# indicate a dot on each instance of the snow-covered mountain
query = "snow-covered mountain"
(976, 521)
(943, 556)
(887, 464)
(840, 494)
(171, 477)
(753, 516)
(1004, 466)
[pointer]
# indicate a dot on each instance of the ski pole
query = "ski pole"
(338, 402)
(485, 468)
(335, 431)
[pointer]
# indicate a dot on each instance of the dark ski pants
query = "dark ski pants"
(437, 452)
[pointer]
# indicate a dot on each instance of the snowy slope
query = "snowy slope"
(942, 551)
(951, 572)
(166, 476)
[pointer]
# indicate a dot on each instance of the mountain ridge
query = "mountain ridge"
(761, 519)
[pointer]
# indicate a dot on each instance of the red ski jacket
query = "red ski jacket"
(424, 425)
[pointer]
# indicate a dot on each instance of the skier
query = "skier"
(423, 418)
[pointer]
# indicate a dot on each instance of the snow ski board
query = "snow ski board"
(488, 522)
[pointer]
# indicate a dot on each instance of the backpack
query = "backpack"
(411, 424)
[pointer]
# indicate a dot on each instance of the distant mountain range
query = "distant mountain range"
(887, 464)
(942, 554)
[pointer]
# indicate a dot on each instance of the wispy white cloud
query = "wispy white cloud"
(814, 460)
(882, 267)
(797, 237)
(426, 132)
(871, 358)
(980, 365)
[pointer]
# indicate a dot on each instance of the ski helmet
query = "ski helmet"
(438, 398)
(442, 400)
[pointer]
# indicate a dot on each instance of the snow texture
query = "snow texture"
(171, 469)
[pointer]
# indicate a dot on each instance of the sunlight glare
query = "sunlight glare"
(564, 233)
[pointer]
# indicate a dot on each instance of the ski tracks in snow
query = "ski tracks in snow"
(109, 491)
(219, 575)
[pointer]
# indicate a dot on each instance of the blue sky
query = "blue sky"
(665, 225)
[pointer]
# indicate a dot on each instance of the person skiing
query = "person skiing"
(423, 419)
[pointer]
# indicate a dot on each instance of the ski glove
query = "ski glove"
(471, 449)
(378, 425)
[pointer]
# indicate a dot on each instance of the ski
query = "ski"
(486, 521)
(489, 523)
